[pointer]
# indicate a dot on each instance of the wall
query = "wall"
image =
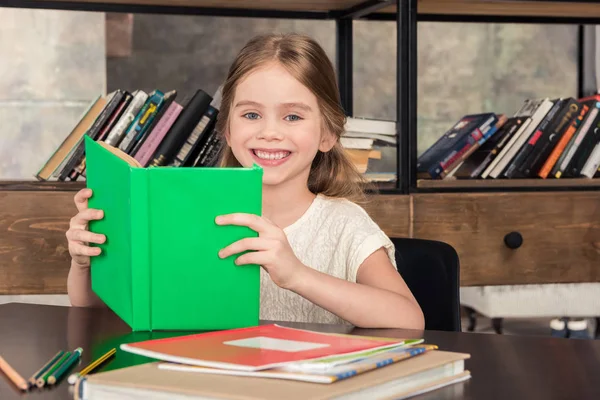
(52, 65)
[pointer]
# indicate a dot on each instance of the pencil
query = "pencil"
(93, 365)
(41, 381)
(60, 371)
(13, 375)
(41, 371)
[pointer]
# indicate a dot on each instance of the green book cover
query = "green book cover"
(159, 268)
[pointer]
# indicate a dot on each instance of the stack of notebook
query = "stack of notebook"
(275, 362)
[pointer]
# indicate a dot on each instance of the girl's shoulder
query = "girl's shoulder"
(342, 211)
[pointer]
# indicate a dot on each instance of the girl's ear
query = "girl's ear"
(328, 140)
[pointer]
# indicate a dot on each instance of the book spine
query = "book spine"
(592, 164)
(142, 120)
(197, 140)
(504, 150)
(505, 136)
(141, 262)
(536, 118)
(144, 154)
(525, 150)
(567, 156)
(80, 169)
(116, 134)
(169, 97)
(458, 158)
(586, 148)
(544, 148)
(181, 129)
(92, 132)
(562, 143)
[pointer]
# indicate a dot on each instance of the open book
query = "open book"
(159, 267)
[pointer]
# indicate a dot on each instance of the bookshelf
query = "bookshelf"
(474, 216)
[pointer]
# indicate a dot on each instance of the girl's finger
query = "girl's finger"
(78, 249)
(246, 244)
(85, 236)
(252, 221)
(81, 198)
(255, 257)
(83, 217)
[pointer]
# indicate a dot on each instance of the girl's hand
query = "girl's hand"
(271, 249)
(78, 235)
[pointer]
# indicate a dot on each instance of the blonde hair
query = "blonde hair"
(332, 173)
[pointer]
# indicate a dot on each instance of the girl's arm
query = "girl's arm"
(379, 299)
(79, 288)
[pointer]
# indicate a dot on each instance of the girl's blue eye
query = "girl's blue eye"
(293, 117)
(251, 115)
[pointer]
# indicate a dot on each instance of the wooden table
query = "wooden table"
(503, 367)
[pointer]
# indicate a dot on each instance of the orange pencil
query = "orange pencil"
(12, 374)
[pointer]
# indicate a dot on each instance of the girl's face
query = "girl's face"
(275, 122)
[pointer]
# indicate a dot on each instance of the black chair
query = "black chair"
(431, 270)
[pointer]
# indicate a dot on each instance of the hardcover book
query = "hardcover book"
(159, 267)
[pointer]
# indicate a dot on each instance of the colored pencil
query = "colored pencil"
(93, 365)
(13, 375)
(41, 371)
(60, 371)
(44, 378)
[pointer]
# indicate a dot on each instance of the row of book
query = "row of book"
(545, 138)
(156, 129)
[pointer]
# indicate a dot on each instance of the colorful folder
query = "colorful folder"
(159, 267)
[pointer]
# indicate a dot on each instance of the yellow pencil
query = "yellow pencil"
(13, 375)
(74, 377)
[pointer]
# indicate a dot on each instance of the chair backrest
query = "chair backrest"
(431, 270)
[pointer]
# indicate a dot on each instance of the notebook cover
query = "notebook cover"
(159, 267)
(149, 378)
(255, 348)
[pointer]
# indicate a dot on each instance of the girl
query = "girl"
(323, 259)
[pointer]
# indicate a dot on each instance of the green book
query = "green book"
(159, 268)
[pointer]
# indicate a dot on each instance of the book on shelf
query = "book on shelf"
(156, 129)
(272, 361)
(371, 146)
(545, 139)
(159, 266)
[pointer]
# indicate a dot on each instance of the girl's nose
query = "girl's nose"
(271, 131)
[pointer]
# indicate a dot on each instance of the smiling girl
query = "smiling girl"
(323, 258)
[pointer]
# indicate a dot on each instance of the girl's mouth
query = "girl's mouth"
(270, 157)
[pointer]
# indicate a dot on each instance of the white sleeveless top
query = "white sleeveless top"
(333, 236)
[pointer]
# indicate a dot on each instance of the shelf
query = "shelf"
(508, 8)
(281, 5)
(53, 186)
(309, 9)
(508, 184)
(428, 10)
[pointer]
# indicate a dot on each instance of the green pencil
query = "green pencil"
(43, 379)
(56, 375)
(41, 371)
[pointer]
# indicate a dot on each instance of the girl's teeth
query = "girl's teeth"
(272, 156)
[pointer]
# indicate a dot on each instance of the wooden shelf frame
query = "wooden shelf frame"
(427, 10)
(507, 185)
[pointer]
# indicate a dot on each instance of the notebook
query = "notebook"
(256, 348)
(416, 375)
(159, 268)
(333, 374)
